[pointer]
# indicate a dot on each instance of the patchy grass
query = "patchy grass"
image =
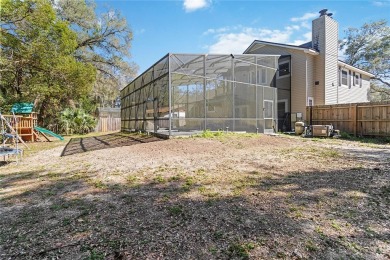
(209, 134)
(311, 246)
(240, 251)
(225, 196)
(33, 148)
(330, 153)
(99, 184)
(131, 179)
(222, 135)
(366, 140)
(175, 210)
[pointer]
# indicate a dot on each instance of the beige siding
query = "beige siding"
(325, 38)
(310, 78)
(298, 82)
(365, 89)
(354, 93)
(298, 74)
(319, 75)
(331, 59)
(318, 41)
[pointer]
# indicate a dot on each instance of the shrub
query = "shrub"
(209, 134)
(76, 121)
(345, 135)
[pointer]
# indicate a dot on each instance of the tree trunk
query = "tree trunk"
(42, 111)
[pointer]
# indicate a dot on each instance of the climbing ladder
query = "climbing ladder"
(12, 130)
(13, 136)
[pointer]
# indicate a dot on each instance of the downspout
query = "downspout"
(307, 98)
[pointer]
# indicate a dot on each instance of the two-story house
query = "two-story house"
(258, 91)
(316, 74)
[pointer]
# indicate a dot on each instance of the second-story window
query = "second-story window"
(357, 79)
(284, 69)
(344, 77)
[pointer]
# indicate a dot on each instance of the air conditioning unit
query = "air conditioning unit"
(322, 130)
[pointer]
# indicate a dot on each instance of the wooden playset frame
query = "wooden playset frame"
(24, 126)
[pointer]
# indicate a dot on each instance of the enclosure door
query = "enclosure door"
(268, 110)
(283, 116)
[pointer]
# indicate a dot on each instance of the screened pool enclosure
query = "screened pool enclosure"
(186, 93)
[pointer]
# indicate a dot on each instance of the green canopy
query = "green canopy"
(22, 108)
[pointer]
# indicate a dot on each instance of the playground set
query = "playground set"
(21, 127)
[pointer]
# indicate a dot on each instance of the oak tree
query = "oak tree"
(104, 41)
(368, 48)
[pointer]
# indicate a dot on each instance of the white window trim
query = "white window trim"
(341, 77)
(289, 67)
(358, 84)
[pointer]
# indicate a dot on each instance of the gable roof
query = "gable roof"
(307, 48)
(350, 67)
(304, 47)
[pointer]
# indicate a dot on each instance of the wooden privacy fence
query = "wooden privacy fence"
(359, 119)
(108, 124)
(109, 119)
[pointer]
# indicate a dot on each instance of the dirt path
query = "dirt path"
(228, 197)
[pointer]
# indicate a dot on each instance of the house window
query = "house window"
(210, 108)
(262, 76)
(357, 80)
(284, 69)
(344, 77)
(310, 101)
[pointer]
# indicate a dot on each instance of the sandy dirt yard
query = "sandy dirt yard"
(127, 196)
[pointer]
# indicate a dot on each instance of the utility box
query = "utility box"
(322, 130)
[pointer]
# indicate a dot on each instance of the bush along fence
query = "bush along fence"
(358, 119)
(109, 119)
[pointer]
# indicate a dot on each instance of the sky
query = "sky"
(227, 26)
